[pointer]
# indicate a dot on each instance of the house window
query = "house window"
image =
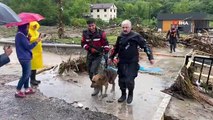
(110, 10)
(114, 10)
(91, 11)
(98, 16)
(111, 16)
(97, 10)
(105, 10)
(105, 15)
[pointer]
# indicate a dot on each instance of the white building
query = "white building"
(104, 11)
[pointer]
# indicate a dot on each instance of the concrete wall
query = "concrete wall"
(62, 49)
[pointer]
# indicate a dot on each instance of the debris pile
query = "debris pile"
(184, 86)
(158, 39)
(76, 65)
(198, 43)
(153, 38)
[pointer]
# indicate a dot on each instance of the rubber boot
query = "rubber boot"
(123, 96)
(130, 97)
(33, 82)
(33, 77)
(96, 91)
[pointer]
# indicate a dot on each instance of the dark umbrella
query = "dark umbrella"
(7, 15)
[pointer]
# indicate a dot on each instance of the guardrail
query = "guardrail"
(204, 61)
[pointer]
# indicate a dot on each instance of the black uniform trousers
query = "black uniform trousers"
(172, 42)
(127, 73)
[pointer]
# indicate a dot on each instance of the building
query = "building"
(186, 22)
(104, 11)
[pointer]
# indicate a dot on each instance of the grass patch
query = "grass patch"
(69, 40)
(7, 32)
(112, 39)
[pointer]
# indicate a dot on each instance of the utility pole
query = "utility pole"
(60, 19)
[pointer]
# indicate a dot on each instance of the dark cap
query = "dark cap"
(90, 21)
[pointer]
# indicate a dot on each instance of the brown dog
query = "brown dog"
(103, 79)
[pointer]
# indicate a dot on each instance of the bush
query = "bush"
(150, 23)
(115, 22)
(100, 23)
(78, 22)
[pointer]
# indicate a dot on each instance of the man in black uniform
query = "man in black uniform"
(95, 42)
(4, 58)
(127, 49)
(172, 35)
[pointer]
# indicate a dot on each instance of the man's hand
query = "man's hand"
(114, 61)
(152, 61)
(93, 50)
(8, 51)
(106, 50)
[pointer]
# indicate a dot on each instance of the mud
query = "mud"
(39, 107)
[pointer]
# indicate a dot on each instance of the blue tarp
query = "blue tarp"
(143, 69)
(151, 70)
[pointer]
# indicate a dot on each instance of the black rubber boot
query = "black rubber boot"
(33, 77)
(130, 97)
(38, 81)
(33, 82)
(170, 48)
(123, 96)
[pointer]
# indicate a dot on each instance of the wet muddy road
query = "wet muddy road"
(58, 97)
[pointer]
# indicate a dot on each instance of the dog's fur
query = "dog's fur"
(103, 79)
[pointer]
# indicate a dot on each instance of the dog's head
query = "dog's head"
(97, 81)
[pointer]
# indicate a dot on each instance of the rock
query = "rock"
(79, 105)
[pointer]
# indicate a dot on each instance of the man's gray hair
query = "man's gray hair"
(126, 22)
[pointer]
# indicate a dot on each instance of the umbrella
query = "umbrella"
(7, 15)
(26, 18)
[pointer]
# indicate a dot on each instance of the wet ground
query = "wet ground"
(58, 97)
(38, 106)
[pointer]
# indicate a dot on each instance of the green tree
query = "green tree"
(182, 7)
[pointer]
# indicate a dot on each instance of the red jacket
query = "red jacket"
(95, 40)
